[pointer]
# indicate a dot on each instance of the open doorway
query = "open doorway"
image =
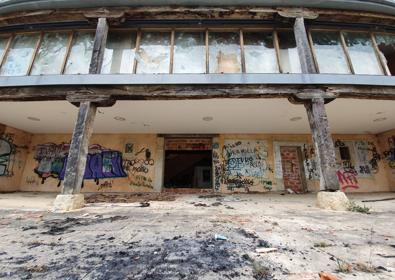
(188, 163)
(293, 170)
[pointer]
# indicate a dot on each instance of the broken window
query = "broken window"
(119, 53)
(153, 55)
(362, 53)
(80, 54)
(224, 52)
(288, 52)
(189, 52)
(20, 55)
(329, 53)
(50, 55)
(386, 45)
(259, 52)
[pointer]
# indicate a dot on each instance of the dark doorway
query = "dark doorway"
(188, 169)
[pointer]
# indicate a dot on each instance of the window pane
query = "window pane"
(362, 53)
(260, 54)
(153, 55)
(224, 52)
(119, 53)
(289, 56)
(50, 55)
(189, 52)
(3, 45)
(20, 55)
(330, 53)
(386, 44)
(80, 53)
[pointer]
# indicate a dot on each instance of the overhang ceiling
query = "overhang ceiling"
(346, 116)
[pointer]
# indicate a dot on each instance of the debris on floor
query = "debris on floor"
(127, 197)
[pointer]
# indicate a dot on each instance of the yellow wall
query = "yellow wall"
(389, 161)
(139, 165)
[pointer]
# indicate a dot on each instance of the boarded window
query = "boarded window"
(386, 44)
(51, 53)
(80, 53)
(289, 57)
(224, 52)
(20, 55)
(362, 54)
(189, 52)
(329, 53)
(119, 53)
(260, 54)
(153, 55)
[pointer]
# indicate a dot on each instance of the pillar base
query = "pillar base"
(68, 202)
(337, 201)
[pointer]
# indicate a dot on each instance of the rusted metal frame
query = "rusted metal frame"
(137, 49)
(346, 52)
(242, 54)
(383, 65)
(276, 44)
(171, 52)
(68, 48)
(38, 43)
(6, 49)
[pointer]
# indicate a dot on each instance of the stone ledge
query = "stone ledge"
(337, 201)
(68, 202)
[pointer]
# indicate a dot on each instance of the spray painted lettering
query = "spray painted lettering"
(347, 178)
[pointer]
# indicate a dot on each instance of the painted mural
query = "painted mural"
(139, 165)
(245, 164)
(101, 163)
(7, 155)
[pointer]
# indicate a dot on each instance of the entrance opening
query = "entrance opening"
(293, 170)
(188, 163)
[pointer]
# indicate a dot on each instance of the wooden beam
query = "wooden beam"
(2, 129)
(325, 150)
(99, 46)
(76, 160)
(305, 54)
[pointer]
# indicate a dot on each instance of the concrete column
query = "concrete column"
(323, 142)
(159, 164)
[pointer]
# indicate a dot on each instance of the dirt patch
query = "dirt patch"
(128, 197)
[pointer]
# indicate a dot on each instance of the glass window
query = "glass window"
(153, 55)
(362, 54)
(260, 54)
(224, 52)
(20, 55)
(386, 44)
(50, 55)
(189, 52)
(80, 54)
(3, 45)
(119, 53)
(329, 53)
(289, 56)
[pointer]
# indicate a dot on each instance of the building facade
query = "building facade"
(214, 95)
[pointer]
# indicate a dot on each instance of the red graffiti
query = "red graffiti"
(347, 178)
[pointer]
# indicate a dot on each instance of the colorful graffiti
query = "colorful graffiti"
(7, 155)
(101, 163)
(217, 166)
(389, 154)
(138, 164)
(347, 178)
(245, 164)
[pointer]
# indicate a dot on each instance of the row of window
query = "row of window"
(196, 52)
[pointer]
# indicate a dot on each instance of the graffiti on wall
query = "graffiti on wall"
(347, 178)
(389, 154)
(101, 163)
(217, 166)
(138, 163)
(245, 164)
(7, 155)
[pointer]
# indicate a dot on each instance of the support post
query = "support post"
(76, 162)
(325, 150)
(159, 164)
(305, 54)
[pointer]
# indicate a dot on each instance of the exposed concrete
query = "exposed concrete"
(67, 202)
(333, 201)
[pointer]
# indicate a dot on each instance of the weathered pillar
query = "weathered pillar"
(76, 162)
(318, 120)
(159, 164)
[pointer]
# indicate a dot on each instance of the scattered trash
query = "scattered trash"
(248, 233)
(290, 191)
(265, 250)
(144, 204)
(327, 276)
(220, 237)
(378, 200)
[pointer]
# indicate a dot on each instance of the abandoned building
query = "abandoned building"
(229, 96)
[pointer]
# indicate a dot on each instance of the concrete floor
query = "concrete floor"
(175, 239)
